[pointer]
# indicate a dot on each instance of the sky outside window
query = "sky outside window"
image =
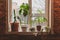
(19, 2)
(38, 5)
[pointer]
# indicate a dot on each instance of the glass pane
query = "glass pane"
(16, 5)
(38, 13)
(38, 5)
(19, 2)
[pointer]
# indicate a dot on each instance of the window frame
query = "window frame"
(50, 15)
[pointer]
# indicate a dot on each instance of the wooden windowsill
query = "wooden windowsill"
(28, 33)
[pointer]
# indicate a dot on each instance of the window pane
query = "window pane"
(38, 12)
(38, 5)
(16, 5)
(19, 2)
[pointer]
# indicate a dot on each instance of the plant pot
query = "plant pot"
(38, 27)
(14, 27)
(32, 29)
(24, 28)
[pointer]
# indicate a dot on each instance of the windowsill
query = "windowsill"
(29, 33)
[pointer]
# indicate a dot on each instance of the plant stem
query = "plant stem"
(14, 16)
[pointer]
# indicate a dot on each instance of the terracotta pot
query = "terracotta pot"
(14, 27)
(38, 27)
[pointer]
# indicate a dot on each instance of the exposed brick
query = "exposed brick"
(56, 9)
(2, 16)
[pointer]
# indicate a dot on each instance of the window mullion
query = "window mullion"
(30, 12)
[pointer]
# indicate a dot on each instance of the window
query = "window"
(38, 8)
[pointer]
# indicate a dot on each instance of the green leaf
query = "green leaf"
(20, 11)
(41, 19)
(40, 11)
(24, 8)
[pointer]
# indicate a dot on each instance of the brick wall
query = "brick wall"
(2, 15)
(56, 10)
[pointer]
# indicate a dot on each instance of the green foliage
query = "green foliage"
(40, 19)
(40, 11)
(47, 29)
(24, 9)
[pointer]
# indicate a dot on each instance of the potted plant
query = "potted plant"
(15, 24)
(24, 28)
(47, 29)
(24, 10)
(32, 29)
(39, 21)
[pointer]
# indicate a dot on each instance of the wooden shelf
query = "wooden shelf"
(28, 33)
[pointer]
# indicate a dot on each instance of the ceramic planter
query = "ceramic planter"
(24, 28)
